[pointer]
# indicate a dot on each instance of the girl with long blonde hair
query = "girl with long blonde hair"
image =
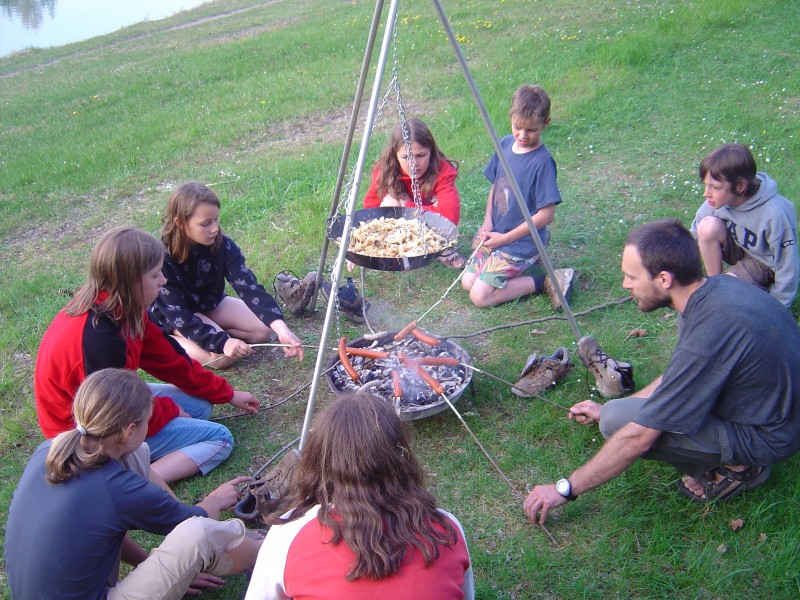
(84, 490)
(105, 325)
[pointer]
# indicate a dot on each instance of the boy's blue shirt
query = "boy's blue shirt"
(535, 173)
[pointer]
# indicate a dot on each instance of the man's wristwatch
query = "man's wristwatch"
(564, 487)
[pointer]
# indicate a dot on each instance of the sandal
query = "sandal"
(725, 489)
(452, 259)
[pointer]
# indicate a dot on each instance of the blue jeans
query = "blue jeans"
(207, 444)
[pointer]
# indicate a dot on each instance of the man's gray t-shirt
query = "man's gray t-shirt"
(737, 361)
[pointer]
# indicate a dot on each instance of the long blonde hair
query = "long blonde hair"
(119, 260)
(105, 404)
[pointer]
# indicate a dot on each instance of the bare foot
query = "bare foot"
(694, 486)
(723, 482)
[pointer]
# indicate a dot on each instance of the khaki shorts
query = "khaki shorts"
(744, 266)
(198, 545)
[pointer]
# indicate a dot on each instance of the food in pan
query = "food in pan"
(394, 238)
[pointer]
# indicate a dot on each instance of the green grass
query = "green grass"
(257, 101)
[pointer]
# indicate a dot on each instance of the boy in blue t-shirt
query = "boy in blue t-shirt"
(498, 272)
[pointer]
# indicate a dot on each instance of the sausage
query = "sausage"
(425, 338)
(346, 361)
(448, 361)
(366, 352)
(398, 388)
(403, 333)
(429, 379)
(423, 374)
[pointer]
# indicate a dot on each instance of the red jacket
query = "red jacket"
(74, 347)
(445, 193)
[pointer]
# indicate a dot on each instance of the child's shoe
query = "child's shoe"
(294, 293)
(350, 301)
(565, 277)
(613, 378)
(542, 372)
(452, 259)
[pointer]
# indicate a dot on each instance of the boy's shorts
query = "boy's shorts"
(744, 266)
(495, 268)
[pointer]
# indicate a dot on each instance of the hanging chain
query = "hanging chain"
(412, 167)
(393, 86)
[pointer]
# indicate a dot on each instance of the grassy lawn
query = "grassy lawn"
(254, 98)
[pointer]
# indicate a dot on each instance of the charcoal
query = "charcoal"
(376, 374)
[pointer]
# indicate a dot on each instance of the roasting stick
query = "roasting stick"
(437, 387)
(508, 383)
(452, 285)
(277, 455)
(273, 345)
(271, 406)
(213, 360)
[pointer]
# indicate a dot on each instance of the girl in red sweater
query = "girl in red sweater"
(105, 325)
(397, 170)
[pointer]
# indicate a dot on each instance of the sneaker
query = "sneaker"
(295, 294)
(613, 378)
(564, 277)
(542, 372)
(350, 301)
(263, 495)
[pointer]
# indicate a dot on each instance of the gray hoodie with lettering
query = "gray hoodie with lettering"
(765, 227)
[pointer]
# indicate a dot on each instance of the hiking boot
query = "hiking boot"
(564, 277)
(294, 293)
(612, 377)
(542, 372)
(350, 301)
(264, 494)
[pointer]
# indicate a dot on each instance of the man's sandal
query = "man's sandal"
(726, 488)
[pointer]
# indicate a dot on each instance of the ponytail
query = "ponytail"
(105, 404)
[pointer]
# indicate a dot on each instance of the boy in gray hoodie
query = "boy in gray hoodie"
(747, 224)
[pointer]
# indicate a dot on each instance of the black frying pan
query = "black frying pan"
(380, 263)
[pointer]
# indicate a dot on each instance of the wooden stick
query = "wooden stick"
(452, 285)
(514, 386)
(497, 468)
(267, 345)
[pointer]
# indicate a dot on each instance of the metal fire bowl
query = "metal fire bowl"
(405, 263)
(407, 412)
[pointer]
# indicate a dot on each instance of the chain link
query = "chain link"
(393, 86)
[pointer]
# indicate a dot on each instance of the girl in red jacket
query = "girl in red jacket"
(396, 171)
(105, 325)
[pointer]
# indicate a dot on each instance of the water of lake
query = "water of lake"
(44, 23)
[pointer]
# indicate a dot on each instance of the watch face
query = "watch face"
(563, 487)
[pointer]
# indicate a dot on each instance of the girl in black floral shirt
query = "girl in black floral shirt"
(193, 306)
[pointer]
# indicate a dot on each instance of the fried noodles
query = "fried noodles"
(395, 238)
